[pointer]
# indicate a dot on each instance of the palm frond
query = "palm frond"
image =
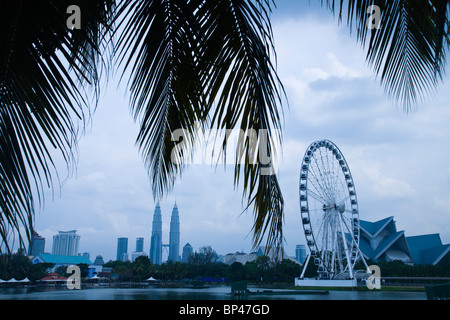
(204, 64)
(157, 45)
(408, 51)
(42, 63)
(236, 50)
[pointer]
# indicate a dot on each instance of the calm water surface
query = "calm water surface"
(218, 293)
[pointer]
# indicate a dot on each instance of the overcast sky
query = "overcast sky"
(400, 162)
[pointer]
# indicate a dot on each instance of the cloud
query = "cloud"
(387, 187)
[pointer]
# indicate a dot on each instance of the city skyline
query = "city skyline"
(399, 161)
(123, 254)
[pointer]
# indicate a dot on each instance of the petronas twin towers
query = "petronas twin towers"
(156, 245)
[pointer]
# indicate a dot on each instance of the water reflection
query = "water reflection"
(218, 293)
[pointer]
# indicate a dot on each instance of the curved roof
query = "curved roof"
(374, 228)
(380, 240)
(427, 249)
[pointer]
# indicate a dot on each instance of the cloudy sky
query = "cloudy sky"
(400, 162)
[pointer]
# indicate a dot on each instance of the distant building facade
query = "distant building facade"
(174, 235)
(300, 253)
(139, 244)
(137, 254)
(122, 249)
(187, 251)
(66, 243)
(139, 249)
(275, 255)
(156, 238)
(380, 241)
(37, 245)
(99, 261)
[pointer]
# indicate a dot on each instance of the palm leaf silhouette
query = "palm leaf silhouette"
(43, 65)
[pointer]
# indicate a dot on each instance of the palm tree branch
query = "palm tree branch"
(156, 47)
(42, 65)
(237, 36)
(408, 50)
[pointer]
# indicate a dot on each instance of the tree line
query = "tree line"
(204, 266)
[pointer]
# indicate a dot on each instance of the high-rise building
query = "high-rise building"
(300, 253)
(135, 255)
(174, 235)
(65, 243)
(122, 249)
(139, 244)
(156, 238)
(139, 249)
(187, 251)
(37, 245)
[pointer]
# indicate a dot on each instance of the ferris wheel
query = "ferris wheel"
(329, 211)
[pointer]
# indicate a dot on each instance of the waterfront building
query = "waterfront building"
(60, 260)
(275, 255)
(427, 249)
(240, 257)
(122, 249)
(66, 243)
(380, 241)
(174, 235)
(187, 251)
(156, 237)
(37, 245)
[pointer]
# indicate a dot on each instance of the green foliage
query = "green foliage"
(200, 266)
(19, 267)
(399, 269)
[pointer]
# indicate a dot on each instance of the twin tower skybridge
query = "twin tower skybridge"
(156, 243)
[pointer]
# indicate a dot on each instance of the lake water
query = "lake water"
(216, 293)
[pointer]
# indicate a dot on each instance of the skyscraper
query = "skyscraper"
(37, 245)
(156, 238)
(139, 249)
(300, 253)
(139, 244)
(174, 235)
(187, 251)
(65, 243)
(122, 249)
